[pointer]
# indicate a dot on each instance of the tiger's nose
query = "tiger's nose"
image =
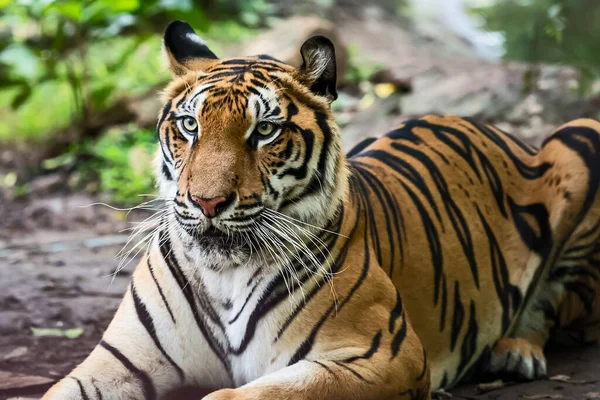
(209, 207)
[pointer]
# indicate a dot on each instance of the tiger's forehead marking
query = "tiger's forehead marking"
(239, 87)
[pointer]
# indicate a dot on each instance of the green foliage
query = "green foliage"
(359, 69)
(122, 162)
(551, 31)
(86, 54)
(114, 71)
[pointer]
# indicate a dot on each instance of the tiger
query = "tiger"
(282, 268)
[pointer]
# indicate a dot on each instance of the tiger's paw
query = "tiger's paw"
(517, 359)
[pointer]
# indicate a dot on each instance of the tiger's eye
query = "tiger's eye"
(265, 128)
(190, 124)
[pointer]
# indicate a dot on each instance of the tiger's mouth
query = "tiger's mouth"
(214, 239)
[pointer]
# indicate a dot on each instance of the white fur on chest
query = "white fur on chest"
(235, 294)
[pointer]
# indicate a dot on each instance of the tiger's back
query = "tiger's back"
(479, 232)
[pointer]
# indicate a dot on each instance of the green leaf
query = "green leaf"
(69, 9)
(55, 332)
(120, 6)
(58, 161)
(73, 333)
(22, 61)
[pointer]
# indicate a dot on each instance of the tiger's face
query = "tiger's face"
(247, 143)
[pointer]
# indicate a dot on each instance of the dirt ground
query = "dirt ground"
(56, 258)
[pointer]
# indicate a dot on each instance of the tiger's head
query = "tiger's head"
(247, 142)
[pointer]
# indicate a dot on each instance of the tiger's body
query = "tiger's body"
(288, 271)
(522, 225)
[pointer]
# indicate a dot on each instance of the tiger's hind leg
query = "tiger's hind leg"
(577, 318)
(575, 275)
(565, 311)
(564, 238)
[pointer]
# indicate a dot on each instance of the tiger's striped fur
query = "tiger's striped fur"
(444, 245)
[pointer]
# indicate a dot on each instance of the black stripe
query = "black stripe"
(182, 281)
(360, 147)
(162, 295)
(309, 139)
(147, 385)
(326, 368)
(319, 176)
(526, 171)
(444, 382)
(235, 318)
(406, 171)
(457, 317)
(353, 372)
(98, 392)
(469, 344)
(579, 271)
(541, 241)
(585, 293)
(510, 296)
(146, 320)
(433, 239)
(399, 338)
(81, 389)
(165, 171)
(422, 374)
(396, 312)
(454, 212)
(444, 306)
(387, 204)
(585, 235)
(369, 353)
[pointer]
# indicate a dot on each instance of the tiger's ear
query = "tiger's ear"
(318, 70)
(186, 50)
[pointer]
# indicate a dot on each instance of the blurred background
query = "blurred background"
(79, 84)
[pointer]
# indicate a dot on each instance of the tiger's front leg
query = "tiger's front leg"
(377, 356)
(145, 351)
(329, 377)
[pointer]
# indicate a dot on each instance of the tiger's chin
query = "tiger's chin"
(220, 248)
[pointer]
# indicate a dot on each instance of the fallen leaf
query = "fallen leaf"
(68, 333)
(592, 395)
(560, 378)
(73, 333)
(541, 396)
(495, 385)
